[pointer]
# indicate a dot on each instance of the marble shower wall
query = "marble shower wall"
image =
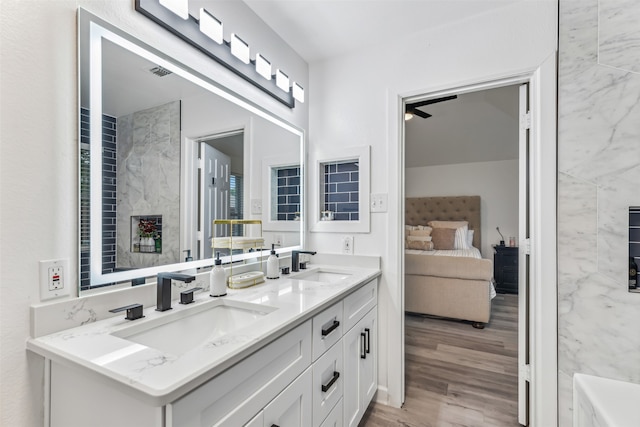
(598, 179)
(148, 181)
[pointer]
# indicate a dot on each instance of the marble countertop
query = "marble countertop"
(158, 377)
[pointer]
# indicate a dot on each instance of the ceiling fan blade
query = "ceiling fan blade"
(430, 101)
(420, 113)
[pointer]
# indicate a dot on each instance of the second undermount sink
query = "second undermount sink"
(322, 275)
(184, 330)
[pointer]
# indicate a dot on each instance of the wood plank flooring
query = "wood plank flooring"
(456, 375)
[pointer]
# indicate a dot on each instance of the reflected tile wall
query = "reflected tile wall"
(149, 181)
(599, 173)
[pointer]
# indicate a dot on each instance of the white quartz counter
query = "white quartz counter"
(158, 377)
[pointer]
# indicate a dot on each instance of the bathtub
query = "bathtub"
(602, 402)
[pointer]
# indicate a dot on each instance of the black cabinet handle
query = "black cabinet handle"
(275, 425)
(331, 328)
(368, 346)
(363, 348)
(328, 385)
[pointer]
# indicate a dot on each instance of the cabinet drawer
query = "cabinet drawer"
(334, 419)
(239, 393)
(327, 329)
(328, 377)
(359, 303)
(292, 407)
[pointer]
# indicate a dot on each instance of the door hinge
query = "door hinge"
(525, 372)
(527, 246)
(525, 120)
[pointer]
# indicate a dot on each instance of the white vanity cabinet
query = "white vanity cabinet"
(360, 353)
(321, 373)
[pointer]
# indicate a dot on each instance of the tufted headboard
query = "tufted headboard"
(420, 210)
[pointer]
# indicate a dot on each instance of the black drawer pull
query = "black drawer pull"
(275, 425)
(331, 328)
(327, 386)
(363, 348)
(368, 346)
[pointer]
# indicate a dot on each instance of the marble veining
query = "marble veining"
(158, 377)
(598, 175)
(619, 34)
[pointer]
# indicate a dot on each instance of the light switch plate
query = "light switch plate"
(256, 206)
(379, 202)
(54, 279)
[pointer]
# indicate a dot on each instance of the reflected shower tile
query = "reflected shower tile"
(619, 34)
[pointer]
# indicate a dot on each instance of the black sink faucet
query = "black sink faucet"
(164, 288)
(295, 259)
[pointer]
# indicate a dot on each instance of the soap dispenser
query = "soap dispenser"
(217, 279)
(273, 266)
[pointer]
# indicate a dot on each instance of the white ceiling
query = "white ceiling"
(475, 127)
(320, 29)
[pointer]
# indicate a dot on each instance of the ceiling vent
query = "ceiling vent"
(160, 71)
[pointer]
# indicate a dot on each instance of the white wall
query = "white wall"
(39, 154)
(495, 182)
(356, 101)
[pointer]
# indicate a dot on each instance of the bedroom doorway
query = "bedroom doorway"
(466, 170)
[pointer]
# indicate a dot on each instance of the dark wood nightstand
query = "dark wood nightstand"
(505, 269)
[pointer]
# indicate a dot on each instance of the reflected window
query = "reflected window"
(286, 206)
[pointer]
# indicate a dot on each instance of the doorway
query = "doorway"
(542, 270)
(462, 166)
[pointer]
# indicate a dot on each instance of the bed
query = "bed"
(454, 283)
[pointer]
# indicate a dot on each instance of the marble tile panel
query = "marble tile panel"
(600, 334)
(565, 398)
(614, 198)
(619, 34)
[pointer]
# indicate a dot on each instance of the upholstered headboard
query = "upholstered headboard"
(420, 210)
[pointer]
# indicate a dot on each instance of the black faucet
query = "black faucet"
(164, 288)
(295, 259)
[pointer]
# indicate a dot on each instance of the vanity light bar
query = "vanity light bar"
(235, 55)
(211, 26)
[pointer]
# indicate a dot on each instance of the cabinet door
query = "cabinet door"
(292, 407)
(328, 376)
(360, 366)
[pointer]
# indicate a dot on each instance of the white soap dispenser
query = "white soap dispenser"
(273, 266)
(217, 279)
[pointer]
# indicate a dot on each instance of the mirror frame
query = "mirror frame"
(91, 31)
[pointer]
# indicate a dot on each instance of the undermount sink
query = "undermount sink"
(184, 330)
(322, 275)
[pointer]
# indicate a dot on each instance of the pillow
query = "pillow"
(422, 243)
(426, 231)
(461, 228)
(448, 224)
(443, 238)
(470, 238)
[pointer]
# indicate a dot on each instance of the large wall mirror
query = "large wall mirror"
(164, 151)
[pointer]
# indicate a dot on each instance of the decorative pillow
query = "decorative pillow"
(443, 238)
(422, 243)
(461, 228)
(448, 224)
(470, 238)
(426, 231)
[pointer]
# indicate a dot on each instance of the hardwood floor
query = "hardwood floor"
(456, 375)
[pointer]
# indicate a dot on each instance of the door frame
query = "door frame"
(543, 294)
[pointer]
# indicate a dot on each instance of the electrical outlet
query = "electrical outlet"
(347, 245)
(54, 280)
(379, 202)
(256, 206)
(278, 239)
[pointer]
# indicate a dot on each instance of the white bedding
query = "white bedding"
(464, 253)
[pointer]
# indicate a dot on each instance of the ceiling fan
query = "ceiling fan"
(412, 109)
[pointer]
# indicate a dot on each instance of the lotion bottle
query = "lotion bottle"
(217, 279)
(273, 266)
